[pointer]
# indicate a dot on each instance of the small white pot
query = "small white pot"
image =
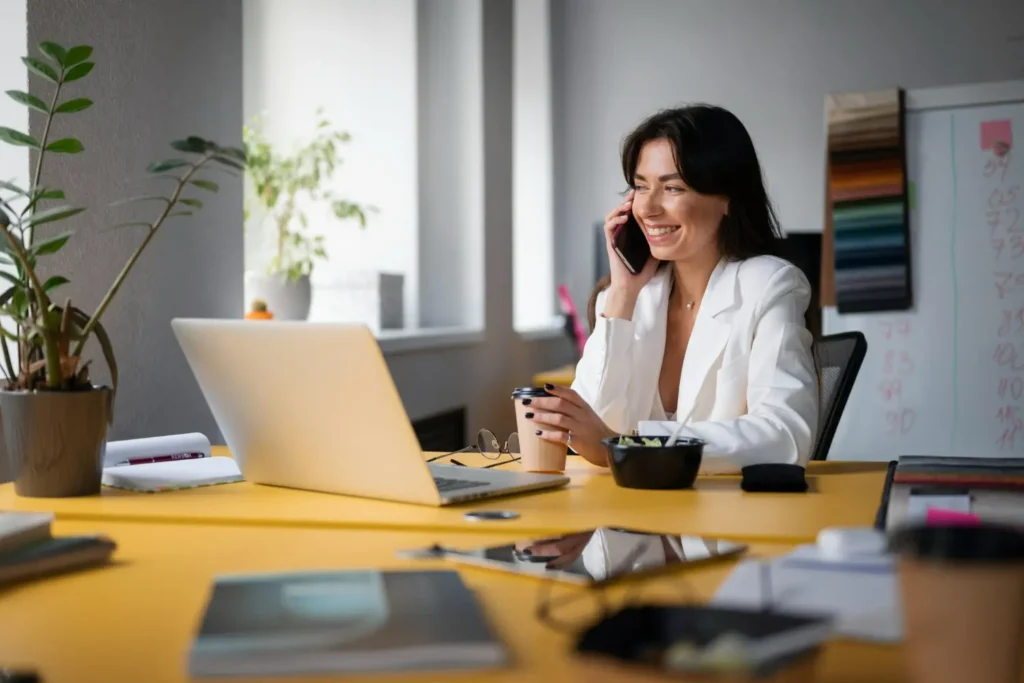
(286, 299)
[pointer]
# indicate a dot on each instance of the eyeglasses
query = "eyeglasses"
(579, 608)
(487, 445)
(583, 607)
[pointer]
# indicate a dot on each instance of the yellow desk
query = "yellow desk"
(134, 622)
(563, 376)
(843, 494)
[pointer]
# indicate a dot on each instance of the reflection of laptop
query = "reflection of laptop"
(313, 406)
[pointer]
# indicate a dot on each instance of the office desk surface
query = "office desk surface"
(842, 494)
(134, 621)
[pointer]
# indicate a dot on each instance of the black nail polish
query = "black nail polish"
(538, 432)
(527, 401)
(528, 415)
(549, 387)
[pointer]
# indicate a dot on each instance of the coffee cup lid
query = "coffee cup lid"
(530, 392)
(992, 543)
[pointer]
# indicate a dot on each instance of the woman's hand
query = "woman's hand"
(566, 418)
(622, 293)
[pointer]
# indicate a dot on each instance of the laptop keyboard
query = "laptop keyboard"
(447, 485)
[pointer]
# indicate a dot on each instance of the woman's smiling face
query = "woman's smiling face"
(680, 224)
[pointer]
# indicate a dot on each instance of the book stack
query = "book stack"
(28, 549)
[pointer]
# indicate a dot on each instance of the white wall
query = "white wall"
(357, 60)
(13, 76)
(771, 62)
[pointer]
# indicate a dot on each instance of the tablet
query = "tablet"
(600, 555)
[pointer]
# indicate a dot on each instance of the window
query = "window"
(533, 209)
(13, 76)
(356, 60)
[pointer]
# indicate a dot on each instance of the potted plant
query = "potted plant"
(280, 188)
(54, 418)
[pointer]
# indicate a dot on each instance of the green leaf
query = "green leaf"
(5, 220)
(50, 245)
(54, 214)
(142, 198)
(72, 106)
(232, 153)
(81, 318)
(188, 201)
(13, 188)
(168, 165)
(9, 293)
(65, 146)
(230, 163)
(10, 278)
(41, 68)
(13, 137)
(39, 196)
(78, 71)
(28, 100)
(54, 52)
(208, 185)
(77, 55)
(193, 144)
(54, 281)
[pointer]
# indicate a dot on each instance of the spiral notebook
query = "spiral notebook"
(174, 475)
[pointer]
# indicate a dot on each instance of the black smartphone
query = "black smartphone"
(631, 245)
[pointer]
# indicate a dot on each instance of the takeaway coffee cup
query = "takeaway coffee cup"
(537, 454)
(962, 589)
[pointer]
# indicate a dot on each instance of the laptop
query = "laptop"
(313, 406)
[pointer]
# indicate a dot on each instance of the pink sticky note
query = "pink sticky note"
(938, 516)
(996, 131)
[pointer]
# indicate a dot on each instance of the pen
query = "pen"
(883, 509)
(161, 458)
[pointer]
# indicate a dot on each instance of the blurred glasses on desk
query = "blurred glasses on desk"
(487, 445)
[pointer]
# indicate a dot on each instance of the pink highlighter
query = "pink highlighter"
(939, 517)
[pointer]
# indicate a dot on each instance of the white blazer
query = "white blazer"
(748, 385)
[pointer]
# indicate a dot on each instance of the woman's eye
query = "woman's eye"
(673, 188)
(640, 188)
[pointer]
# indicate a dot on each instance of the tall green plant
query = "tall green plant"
(50, 337)
(277, 184)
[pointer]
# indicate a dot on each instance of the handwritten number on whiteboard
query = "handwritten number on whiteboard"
(1000, 198)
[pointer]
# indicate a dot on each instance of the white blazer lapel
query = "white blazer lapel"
(651, 323)
(708, 338)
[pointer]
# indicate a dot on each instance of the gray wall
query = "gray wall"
(771, 62)
(164, 70)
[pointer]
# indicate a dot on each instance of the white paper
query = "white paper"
(862, 596)
(918, 506)
(156, 446)
(176, 474)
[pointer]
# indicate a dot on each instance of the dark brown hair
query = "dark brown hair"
(714, 155)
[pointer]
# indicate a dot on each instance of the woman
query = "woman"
(711, 332)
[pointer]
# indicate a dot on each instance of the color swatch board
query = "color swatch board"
(947, 376)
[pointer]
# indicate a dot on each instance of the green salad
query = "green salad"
(643, 441)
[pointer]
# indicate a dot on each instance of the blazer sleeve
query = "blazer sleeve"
(603, 372)
(781, 422)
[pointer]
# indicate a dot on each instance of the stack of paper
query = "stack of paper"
(173, 475)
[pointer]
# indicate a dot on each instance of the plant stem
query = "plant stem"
(9, 366)
(54, 376)
(42, 148)
(109, 296)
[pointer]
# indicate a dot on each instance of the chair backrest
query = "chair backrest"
(837, 358)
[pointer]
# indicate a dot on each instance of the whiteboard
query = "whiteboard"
(947, 376)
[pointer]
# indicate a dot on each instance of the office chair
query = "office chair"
(837, 358)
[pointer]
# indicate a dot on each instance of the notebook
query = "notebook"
(173, 475)
(22, 528)
(54, 556)
(991, 473)
(337, 622)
